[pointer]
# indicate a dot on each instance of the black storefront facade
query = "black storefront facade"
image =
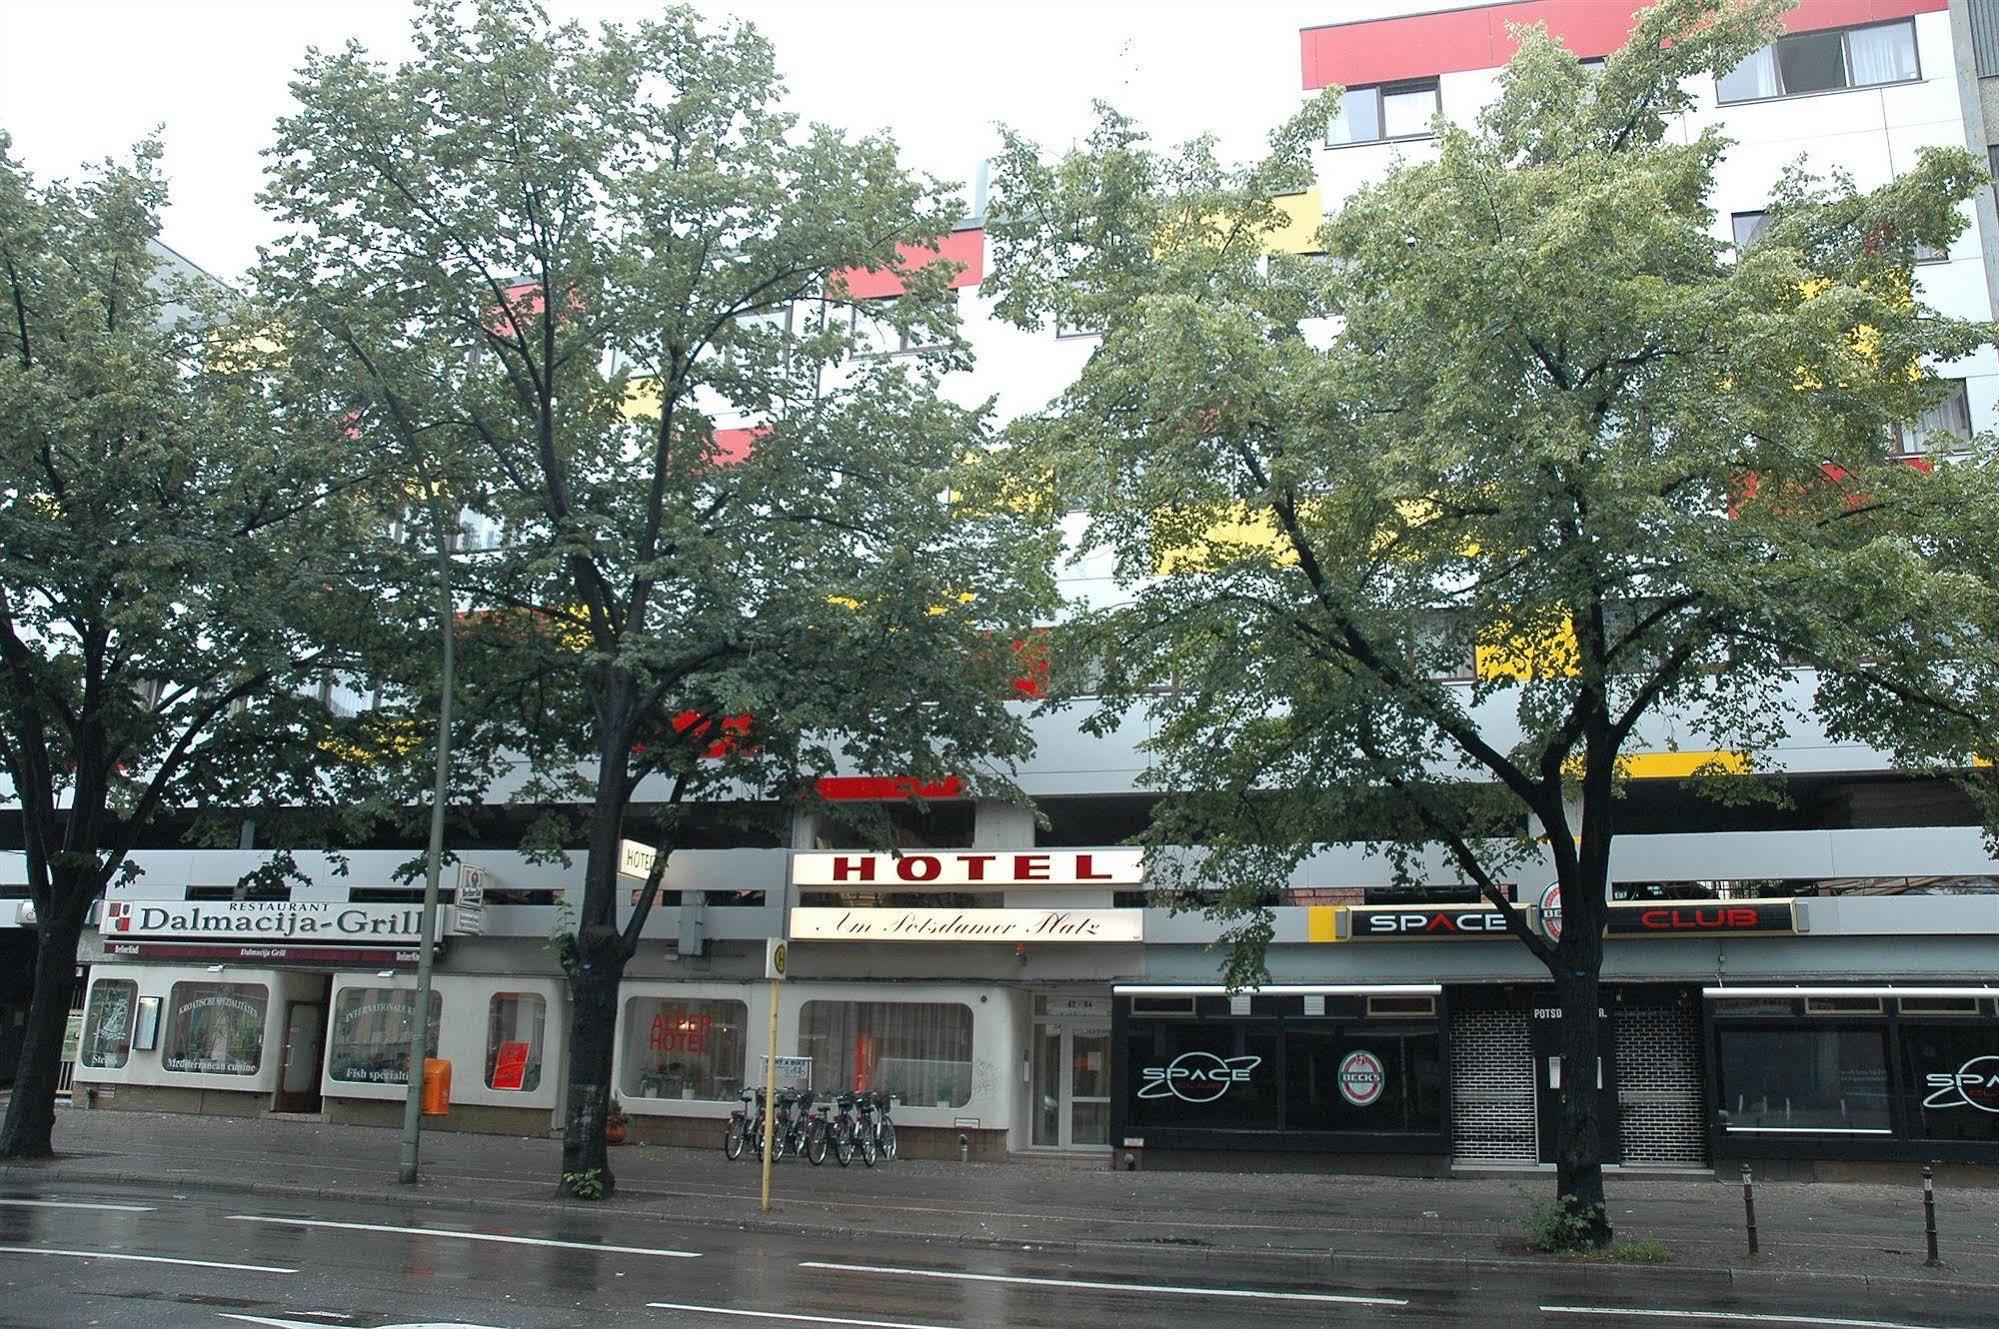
(1431, 1078)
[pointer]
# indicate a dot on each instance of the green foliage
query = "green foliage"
(585, 1185)
(1565, 1226)
(1524, 399)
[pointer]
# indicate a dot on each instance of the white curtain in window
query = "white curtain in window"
(921, 1051)
(1753, 78)
(1886, 54)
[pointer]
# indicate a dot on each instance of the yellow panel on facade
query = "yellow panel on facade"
(1680, 765)
(1523, 651)
(1243, 532)
(1305, 213)
(1322, 922)
(641, 399)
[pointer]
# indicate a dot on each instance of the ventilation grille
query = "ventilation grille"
(1492, 1088)
(1659, 1087)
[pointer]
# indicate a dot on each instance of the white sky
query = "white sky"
(82, 79)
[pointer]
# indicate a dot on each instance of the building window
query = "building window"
(371, 1035)
(1778, 1080)
(1385, 113)
(686, 1048)
(1825, 62)
(216, 1029)
(514, 1025)
(1748, 227)
(1944, 427)
(875, 332)
(920, 1051)
(107, 1036)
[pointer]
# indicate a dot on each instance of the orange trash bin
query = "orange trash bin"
(436, 1087)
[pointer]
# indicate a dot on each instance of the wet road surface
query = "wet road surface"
(150, 1259)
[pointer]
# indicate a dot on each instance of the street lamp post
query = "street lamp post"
(433, 862)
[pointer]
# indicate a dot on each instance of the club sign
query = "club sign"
(1975, 1084)
(1426, 923)
(1196, 1077)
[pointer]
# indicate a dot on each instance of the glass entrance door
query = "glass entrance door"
(1070, 1085)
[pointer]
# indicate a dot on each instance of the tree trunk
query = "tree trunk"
(597, 969)
(29, 1130)
(593, 1021)
(1579, 1145)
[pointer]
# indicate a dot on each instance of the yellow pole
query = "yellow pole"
(770, 1096)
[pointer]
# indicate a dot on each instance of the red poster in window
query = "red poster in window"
(510, 1066)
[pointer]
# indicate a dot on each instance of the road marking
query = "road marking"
(1644, 1313)
(602, 1247)
(1175, 1289)
(78, 1204)
(781, 1315)
(7, 1248)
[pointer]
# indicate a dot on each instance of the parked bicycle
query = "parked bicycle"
(811, 1124)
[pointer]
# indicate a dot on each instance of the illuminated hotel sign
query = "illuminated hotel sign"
(966, 869)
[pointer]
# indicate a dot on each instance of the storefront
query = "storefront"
(1855, 1074)
(1356, 1075)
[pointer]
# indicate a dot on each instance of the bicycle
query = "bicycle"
(745, 1125)
(843, 1129)
(883, 1100)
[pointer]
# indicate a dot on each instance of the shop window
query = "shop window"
(107, 1025)
(1353, 1079)
(371, 1035)
(1810, 62)
(1953, 1079)
(1206, 1075)
(921, 1051)
(1805, 1080)
(683, 1047)
(514, 1025)
(216, 1029)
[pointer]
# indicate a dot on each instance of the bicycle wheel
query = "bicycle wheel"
(865, 1140)
(815, 1142)
(734, 1140)
(887, 1145)
(843, 1142)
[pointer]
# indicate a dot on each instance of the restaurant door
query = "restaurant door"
(304, 1055)
(1070, 1080)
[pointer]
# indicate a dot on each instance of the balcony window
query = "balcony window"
(1748, 227)
(1384, 114)
(1825, 62)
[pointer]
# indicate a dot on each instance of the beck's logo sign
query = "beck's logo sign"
(1425, 924)
(1361, 1078)
(1974, 1085)
(1701, 919)
(1196, 1077)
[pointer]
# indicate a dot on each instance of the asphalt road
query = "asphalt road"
(116, 1256)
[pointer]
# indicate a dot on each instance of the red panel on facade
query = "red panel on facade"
(1421, 45)
(967, 248)
(848, 788)
(733, 445)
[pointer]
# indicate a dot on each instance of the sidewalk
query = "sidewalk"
(1864, 1232)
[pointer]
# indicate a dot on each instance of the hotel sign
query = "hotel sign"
(966, 869)
(1008, 925)
(264, 922)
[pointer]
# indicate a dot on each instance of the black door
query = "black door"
(1548, 1072)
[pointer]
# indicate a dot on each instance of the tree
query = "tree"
(1525, 408)
(560, 258)
(164, 627)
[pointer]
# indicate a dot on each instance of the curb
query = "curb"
(1360, 1265)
